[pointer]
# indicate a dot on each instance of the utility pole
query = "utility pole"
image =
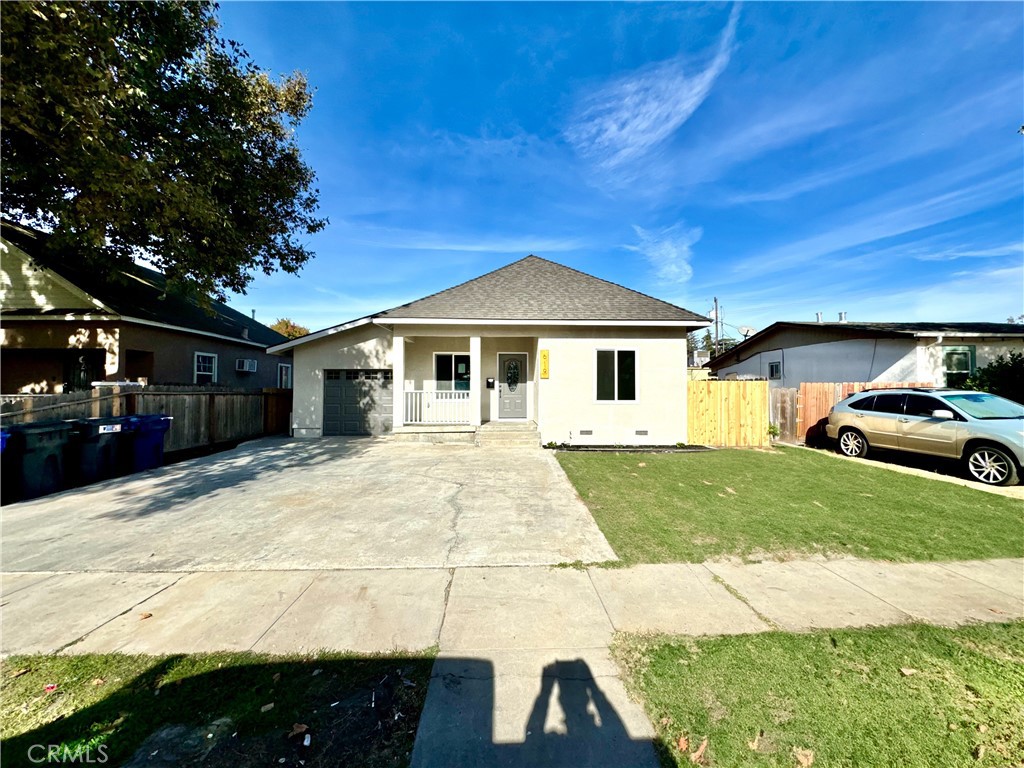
(716, 326)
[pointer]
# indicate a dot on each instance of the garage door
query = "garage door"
(357, 402)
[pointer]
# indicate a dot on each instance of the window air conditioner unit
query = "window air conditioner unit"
(245, 366)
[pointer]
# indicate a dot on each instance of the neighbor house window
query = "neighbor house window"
(204, 370)
(959, 364)
(774, 370)
(451, 372)
(284, 376)
(616, 374)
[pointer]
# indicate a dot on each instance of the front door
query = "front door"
(512, 376)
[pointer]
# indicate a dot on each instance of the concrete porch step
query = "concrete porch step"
(508, 426)
(508, 434)
(442, 433)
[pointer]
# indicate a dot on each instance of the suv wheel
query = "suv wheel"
(991, 465)
(852, 443)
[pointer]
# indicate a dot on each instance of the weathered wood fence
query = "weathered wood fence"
(796, 410)
(731, 414)
(203, 416)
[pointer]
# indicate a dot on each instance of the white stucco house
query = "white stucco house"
(940, 354)
(535, 346)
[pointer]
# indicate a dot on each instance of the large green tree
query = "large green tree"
(133, 129)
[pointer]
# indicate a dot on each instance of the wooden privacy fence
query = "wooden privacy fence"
(795, 411)
(203, 416)
(728, 413)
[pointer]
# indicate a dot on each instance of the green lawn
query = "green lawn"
(691, 507)
(109, 704)
(902, 696)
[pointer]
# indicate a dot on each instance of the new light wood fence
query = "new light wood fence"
(203, 416)
(732, 414)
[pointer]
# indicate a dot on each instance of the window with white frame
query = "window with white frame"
(959, 364)
(204, 368)
(451, 372)
(284, 376)
(616, 374)
(775, 370)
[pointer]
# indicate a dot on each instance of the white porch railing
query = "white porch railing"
(436, 407)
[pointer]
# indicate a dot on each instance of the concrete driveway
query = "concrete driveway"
(332, 504)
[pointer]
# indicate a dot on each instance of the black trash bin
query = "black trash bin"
(34, 459)
(101, 448)
(147, 431)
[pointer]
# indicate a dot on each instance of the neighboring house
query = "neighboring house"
(943, 354)
(587, 361)
(64, 327)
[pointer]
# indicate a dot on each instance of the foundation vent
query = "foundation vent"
(585, 432)
(641, 432)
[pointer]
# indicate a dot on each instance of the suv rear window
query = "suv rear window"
(863, 404)
(888, 404)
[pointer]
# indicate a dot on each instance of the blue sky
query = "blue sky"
(787, 158)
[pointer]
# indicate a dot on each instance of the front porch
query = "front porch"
(443, 384)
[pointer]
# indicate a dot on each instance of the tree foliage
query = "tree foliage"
(289, 328)
(1004, 376)
(131, 129)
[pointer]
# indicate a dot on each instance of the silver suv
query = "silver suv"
(983, 430)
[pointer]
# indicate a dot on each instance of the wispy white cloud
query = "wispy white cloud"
(908, 136)
(668, 251)
(902, 211)
(414, 240)
(626, 118)
(969, 252)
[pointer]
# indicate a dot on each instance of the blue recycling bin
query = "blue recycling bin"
(101, 449)
(33, 460)
(147, 449)
(12, 450)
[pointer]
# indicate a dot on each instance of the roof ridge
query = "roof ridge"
(609, 282)
(559, 265)
(451, 287)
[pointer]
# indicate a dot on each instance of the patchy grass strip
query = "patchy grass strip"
(785, 503)
(227, 710)
(904, 696)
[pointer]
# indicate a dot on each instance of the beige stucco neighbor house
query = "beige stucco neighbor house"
(942, 354)
(535, 346)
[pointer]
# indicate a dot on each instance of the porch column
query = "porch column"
(476, 382)
(398, 381)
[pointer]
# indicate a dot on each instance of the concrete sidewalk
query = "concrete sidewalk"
(524, 675)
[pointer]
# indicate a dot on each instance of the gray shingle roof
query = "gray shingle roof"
(138, 292)
(537, 289)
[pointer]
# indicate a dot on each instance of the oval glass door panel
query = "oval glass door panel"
(512, 375)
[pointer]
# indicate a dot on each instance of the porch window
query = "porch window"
(204, 370)
(451, 372)
(959, 363)
(616, 374)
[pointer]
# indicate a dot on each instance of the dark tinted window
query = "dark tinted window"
(863, 404)
(605, 375)
(922, 405)
(627, 375)
(888, 404)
